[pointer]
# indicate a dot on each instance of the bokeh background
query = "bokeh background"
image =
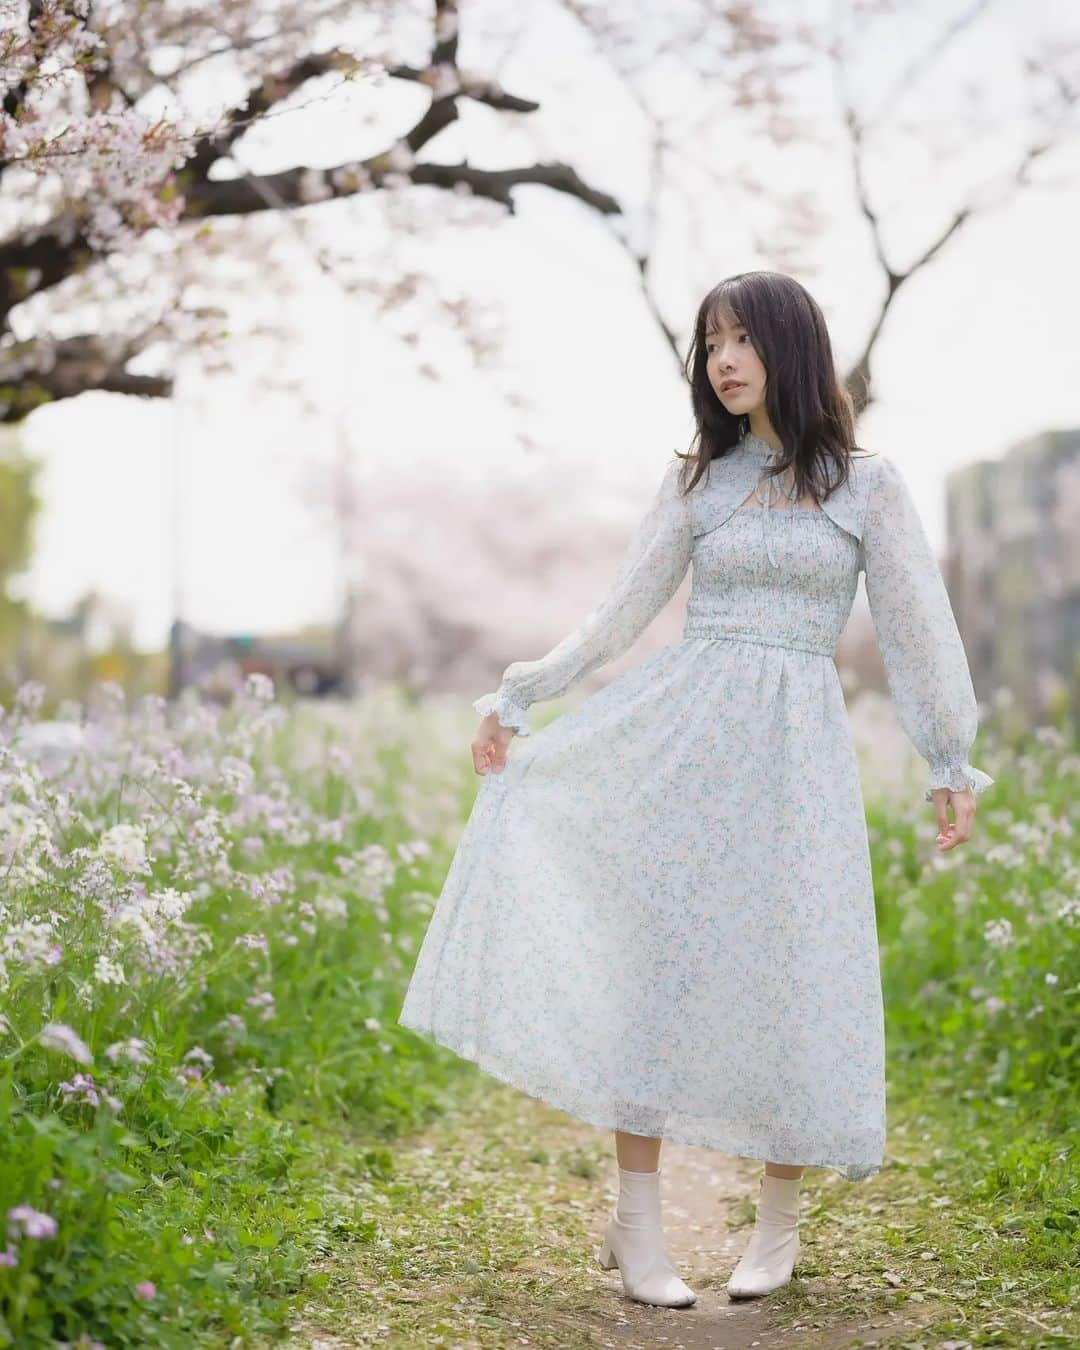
(359, 371)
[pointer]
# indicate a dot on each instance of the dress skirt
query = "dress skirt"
(660, 914)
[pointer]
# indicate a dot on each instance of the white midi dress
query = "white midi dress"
(659, 917)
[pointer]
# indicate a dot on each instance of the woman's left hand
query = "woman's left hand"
(951, 833)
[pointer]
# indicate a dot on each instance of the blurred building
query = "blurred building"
(1012, 568)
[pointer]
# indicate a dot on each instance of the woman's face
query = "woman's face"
(735, 371)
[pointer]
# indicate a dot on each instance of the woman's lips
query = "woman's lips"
(732, 388)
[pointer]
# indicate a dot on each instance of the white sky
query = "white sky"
(981, 350)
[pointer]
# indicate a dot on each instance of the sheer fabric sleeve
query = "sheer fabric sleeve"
(925, 663)
(650, 572)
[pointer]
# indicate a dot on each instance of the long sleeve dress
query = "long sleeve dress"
(660, 914)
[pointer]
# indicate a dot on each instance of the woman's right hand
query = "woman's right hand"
(490, 744)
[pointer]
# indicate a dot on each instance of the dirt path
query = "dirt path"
(483, 1234)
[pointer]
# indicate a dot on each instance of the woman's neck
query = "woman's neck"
(761, 427)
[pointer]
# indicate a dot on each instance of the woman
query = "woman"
(660, 915)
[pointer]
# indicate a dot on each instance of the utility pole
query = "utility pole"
(175, 507)
(342, 480)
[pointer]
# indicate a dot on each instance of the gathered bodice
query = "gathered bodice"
(766, 568)
(786, 576)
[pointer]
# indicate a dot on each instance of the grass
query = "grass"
(474, 1237)
(253, 1151)
(972, 1224)
(481, 1233)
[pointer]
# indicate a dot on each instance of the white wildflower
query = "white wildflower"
(107, 971)
(331, 906)
(125, 845)
(59, 1036)
(264, 1000)
(171, 904)
(132, 1049)
(998, 933)
(1051, 736)
(21, 827)
(30, 695)
(237, 773)
(1005, 855)
(30, 940)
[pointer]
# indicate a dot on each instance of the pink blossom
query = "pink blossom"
(59, 1036)
(33, 1223)
(82, 1088)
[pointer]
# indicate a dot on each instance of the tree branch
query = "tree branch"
(301, 187)
(35, 372)
(859, 378)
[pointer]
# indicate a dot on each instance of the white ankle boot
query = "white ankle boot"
(770, 1254)
(634, 1241)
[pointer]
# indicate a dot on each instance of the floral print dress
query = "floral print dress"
(660, 914)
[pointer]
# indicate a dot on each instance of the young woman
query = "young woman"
(660, 916)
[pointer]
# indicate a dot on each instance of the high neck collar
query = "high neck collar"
(758, 447)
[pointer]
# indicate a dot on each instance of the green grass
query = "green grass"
(972, 1225)
(280, 1155)
(187, 1184)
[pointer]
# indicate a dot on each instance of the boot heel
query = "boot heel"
(606, 1256)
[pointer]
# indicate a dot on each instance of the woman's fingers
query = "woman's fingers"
(481, 754)
(951, 833)
(489, 751)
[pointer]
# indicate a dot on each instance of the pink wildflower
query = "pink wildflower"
(33, 1223)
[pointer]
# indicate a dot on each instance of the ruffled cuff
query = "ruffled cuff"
(957, 775)
(509, 713)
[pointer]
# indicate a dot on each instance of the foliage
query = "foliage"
(205, 926)
(208, 918)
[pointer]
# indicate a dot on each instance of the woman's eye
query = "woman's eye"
(710, 350)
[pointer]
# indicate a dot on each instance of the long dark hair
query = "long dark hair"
(808, 404)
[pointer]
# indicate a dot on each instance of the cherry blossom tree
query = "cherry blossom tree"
(122, 132)
(99, 147)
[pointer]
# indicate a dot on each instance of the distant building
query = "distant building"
(1012, 568)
